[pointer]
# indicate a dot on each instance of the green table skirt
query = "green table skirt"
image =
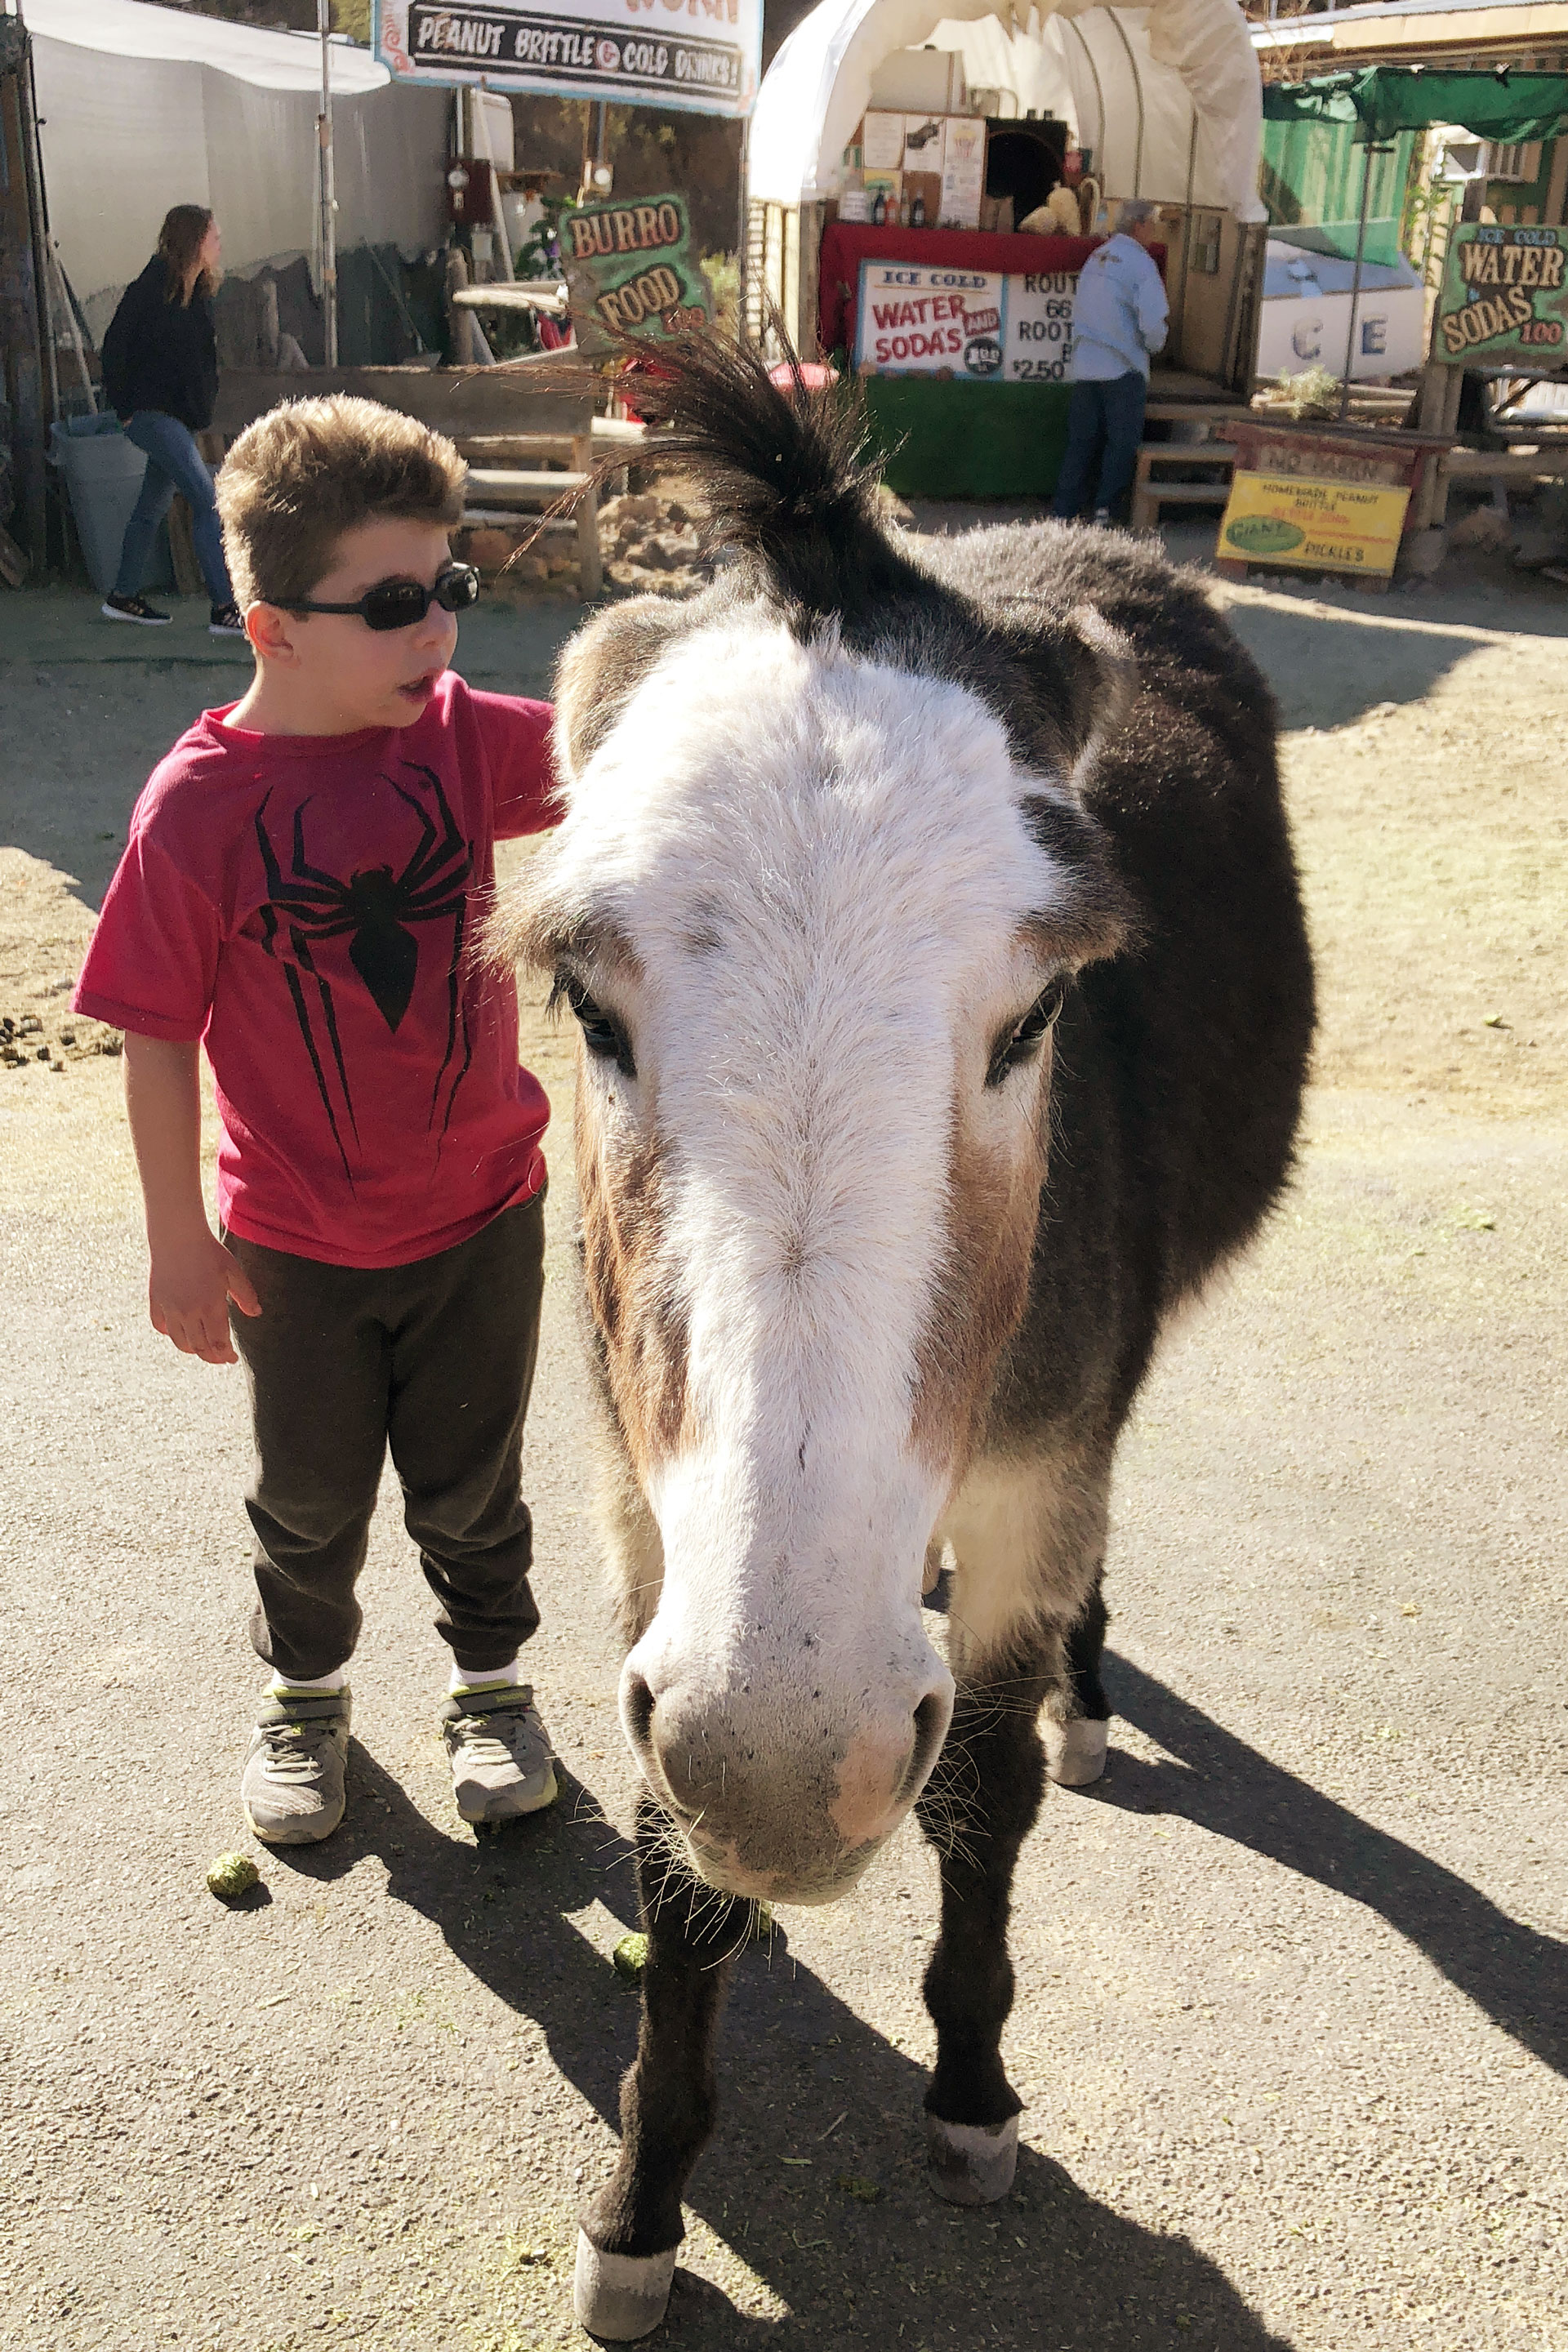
(964, 440)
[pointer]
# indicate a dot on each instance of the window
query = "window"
(1522, 164)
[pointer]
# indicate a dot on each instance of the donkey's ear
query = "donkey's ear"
(1104, 685)
(603, 667)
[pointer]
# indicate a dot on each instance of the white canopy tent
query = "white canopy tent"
(142, 107)
(1167, 96)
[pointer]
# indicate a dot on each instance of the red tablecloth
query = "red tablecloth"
(845, 244)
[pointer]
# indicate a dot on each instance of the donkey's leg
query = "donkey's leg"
(1077, 1720)
(1025, 1621)
(977, 1810)
(632, 2229)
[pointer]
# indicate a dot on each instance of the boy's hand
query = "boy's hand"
(192, 1283)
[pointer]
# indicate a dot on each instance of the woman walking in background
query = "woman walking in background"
(160, 371)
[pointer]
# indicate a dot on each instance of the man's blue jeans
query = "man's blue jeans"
(173, 463)
(1107, 414)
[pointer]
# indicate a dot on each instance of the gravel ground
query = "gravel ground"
(1291, 2020)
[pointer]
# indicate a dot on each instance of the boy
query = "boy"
(304, 882)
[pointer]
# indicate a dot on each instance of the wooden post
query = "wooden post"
(590, 563)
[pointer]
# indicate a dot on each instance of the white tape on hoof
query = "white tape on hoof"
(1075, 1752)
(620, 2296)
(972, 2164)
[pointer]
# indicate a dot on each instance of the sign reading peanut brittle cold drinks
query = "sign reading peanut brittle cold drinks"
(1504, 295)
(702, 56)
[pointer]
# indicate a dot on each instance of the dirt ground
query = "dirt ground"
(1291, 2017)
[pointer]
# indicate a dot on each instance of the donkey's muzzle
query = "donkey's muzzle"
(780, 1797)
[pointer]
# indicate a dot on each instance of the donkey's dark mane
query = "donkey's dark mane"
(789, 486)
(792, 494)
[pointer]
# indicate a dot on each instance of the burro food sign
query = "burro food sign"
(918, 319)
(702, 56)
(629, 271)
(1503, 295)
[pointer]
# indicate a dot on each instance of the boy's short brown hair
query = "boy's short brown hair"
(310, 470)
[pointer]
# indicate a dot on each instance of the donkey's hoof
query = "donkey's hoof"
(620, 2296)
(1075, 1752)
(972, 2164)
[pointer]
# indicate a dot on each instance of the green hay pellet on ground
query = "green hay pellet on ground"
(865, 2193)
(630, 1957)
(232, 1876)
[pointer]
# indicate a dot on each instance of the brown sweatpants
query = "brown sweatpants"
(434, 1360)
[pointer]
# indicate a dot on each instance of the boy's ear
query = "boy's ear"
(272, 634)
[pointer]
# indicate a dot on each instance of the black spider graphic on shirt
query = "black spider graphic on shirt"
(374, 905)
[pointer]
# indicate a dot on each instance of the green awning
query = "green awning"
(1382, 100)
(1311, 182)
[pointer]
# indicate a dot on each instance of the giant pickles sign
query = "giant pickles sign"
(630, 271)
(1503, 295)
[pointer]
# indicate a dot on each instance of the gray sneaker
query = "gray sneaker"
(292, 1786)
(502, 1757)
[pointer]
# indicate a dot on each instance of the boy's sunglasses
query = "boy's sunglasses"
(399, 604)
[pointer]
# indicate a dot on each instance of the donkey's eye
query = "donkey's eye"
(602, 1033)
(1022, 1042)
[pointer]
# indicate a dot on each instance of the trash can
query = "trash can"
(102, 473)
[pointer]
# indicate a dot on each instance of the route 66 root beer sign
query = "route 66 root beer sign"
(1504, 295)
(630, 272)
(701, 55)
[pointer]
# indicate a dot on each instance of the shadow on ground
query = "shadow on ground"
(1050, 2267)
(1328, 666)
(1518, 1977)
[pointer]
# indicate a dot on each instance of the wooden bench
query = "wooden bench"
(507, 470)
(496, 493)
(1150, 493)
(1496, 467)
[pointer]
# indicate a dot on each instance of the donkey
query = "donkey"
(932, 927)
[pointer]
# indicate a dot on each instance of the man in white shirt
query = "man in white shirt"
(1119, 317)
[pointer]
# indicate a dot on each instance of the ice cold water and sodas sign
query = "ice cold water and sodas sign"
(915, 318)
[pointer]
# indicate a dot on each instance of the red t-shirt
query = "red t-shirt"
(307, 906)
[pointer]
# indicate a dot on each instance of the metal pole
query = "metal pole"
(1355, 281)
(328, 187)
(742, 230)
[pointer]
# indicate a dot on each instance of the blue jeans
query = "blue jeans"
(173, 463)
(1108, 412)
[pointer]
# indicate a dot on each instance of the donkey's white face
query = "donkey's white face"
(812, 935)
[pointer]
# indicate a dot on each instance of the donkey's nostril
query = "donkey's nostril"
(931, 1718)
(636, 1711)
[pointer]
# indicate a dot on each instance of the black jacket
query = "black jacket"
(162, 354)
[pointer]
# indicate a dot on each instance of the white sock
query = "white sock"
(335, 1680)
(463, 1680)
